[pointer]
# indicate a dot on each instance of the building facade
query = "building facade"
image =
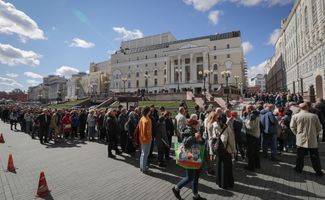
(162, 63)
(276, 76)
(98, 78)
(75, 90)
(303, 38)
(37, 93)
(55, 88)
(258, 80)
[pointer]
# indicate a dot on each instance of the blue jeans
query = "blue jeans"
(145, 150)
(191, 176)
(270, 140)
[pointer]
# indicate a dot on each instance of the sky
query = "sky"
(62, 37)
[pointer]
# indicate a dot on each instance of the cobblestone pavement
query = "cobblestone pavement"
(81, 170)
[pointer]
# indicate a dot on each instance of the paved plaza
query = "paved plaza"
(81, 170)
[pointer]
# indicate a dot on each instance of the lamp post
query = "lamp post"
(147, 76)
(241, 88)
(178, 76)
(226, 74)
(236, 79)
(124, 79)
(205, 74)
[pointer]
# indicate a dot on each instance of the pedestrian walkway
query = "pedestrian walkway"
(81, 170)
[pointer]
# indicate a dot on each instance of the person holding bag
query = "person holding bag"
(225, 151)
(190, 136)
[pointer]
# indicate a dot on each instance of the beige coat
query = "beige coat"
(306, 127)
(227, 137)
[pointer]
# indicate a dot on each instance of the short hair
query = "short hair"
(145, 111)
(180, 109)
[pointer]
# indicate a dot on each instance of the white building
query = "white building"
(258, 80)
(162, 63)
(56, 87)
(303, 38)
(75, 90)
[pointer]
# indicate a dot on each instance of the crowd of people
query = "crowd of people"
(284, 123)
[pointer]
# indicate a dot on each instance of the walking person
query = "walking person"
(145, 137)
(306, 126)
(320, 105)
(190, 136)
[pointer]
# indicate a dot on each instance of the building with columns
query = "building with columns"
(161, 63)
(75, 90)
(302, 46)
(55, 88)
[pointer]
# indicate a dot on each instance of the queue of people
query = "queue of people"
(261, 127)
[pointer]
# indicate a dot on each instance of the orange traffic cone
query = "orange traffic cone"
(1, 139)
(11, 167)
(42, 190)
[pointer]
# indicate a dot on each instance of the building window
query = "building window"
(306, 19)
(199, 75)
(165, 63)
(199, 59)
(155, 64)
(146, 65)
(187, 61)
(215, 67)
(228, 55)
(138, 58)
(116, 61)
(156, 82)
(137, 66)
(155, 55)
(228, 46)
(146, 57)
(175, 62)
(215, 57)
(129, 84)
(314, 11)
(129, 59)
(129, 75)
(187, 73)
(215, 79)
(165, 80)
(156, 72)
(215, 48)
(137, 83)
(129, 67)
(137, 74)
(165, 71)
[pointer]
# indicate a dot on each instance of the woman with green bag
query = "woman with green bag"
(190, 136)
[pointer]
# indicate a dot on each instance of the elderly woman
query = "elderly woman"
(66, 124)
(91, 123)
(225, 177)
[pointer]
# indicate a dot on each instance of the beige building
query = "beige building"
(75, 90)
(56, 88)
(302, 45)
(162, 63)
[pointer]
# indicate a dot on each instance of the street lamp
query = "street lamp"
(241, 88)
(178, 71)
(226, 74)
(147, 76)
(124, 79)
(236, 79)
(205, 74)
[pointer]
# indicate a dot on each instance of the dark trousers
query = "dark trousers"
(314, 157)
(112, 144)
(323, 139)
(225, 178)
(43, 135)
(191, 176)
(74, 132)
(161, 153)
(167, 150)
(123, 139)
(253, 152)
(13, 123)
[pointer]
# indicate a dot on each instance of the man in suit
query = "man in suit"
(44, 120)
(320, 105)
(306, 126)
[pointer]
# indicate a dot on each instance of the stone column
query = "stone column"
(193, 69)
(168, 71)
(172, 71)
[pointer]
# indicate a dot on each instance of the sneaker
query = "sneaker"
(177, 193)
(199, 198)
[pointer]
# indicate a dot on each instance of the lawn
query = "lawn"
(68, 104)
(166, 104)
